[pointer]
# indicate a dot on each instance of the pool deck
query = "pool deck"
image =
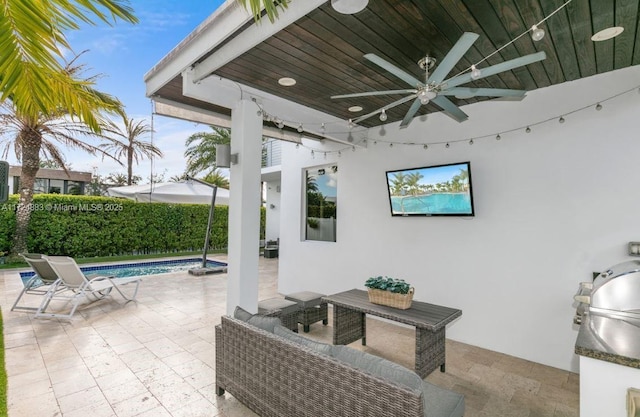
(155, 358)
(150, 358)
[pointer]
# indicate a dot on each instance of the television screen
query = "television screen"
(442, 190)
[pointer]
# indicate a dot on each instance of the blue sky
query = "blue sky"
(123, 54)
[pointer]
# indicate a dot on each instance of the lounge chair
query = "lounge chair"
(82, 286)
(39, 283)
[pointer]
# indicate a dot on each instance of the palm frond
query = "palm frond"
(270, 8)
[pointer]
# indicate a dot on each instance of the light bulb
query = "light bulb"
(300, 128)
(351, 124)
(426, 146)
(280, 124)
(475, 73)
(391, 145)
(446, 146)
(323, 128)
(598, 106)
(536, 33)
(383, 116)
(561, 119)
(528, 129)
(424, 100)
(498, 137)
(470, 141)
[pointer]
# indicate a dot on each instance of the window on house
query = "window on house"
(321, 203)
(56, 186)
(40, 186)
(75, 187)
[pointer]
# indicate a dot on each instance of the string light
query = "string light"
(383, 116)
(536, 33)
(300, 128)
(528, 128)
(475, 73)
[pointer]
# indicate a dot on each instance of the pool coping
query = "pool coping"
(99, 266)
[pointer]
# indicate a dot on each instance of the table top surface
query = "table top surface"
(422, 315)
(609, 339)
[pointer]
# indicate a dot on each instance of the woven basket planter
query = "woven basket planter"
(391, 299)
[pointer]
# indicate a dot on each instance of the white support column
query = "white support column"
(244, 207)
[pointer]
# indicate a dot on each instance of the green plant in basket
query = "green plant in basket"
(398, 286)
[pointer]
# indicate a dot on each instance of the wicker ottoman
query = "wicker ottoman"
(287, 311)
(312, 309)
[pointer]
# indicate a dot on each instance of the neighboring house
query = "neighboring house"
(51, 181)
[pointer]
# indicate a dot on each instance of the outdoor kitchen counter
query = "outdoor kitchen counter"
(609, 339)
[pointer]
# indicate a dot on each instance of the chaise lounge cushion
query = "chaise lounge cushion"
(301, 340)
(262, 322)
(379, 367)
(442, 402)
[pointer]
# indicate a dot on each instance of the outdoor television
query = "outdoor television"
(440, 190)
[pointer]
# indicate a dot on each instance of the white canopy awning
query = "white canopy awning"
(185, 192)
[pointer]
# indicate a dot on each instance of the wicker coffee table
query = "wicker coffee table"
(349, 324)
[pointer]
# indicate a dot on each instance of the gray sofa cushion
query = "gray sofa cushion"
(301, 340)
(262, 322)
(241, 314)
(379, 367)
(440, 402)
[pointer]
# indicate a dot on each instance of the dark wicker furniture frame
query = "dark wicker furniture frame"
(278, 378)
(313, 314)
(349, 324)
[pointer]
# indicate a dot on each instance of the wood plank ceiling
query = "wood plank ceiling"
(324, 50)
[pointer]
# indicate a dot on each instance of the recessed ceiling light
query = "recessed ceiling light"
(349, 6)
(286, 81)
(355, 109)
(608, 33)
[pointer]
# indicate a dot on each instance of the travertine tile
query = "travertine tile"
(156, 358)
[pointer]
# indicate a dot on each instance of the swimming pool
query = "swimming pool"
(140, 268)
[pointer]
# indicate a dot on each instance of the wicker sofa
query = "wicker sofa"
(276, 372)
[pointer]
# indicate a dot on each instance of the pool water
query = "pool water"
(139, 268)
(458, 203)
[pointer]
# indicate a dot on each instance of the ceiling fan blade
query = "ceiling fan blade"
(387, 107)
(412, 112)
(386, 65)
(487, 92)
(375, 93)
(453, 56)
(495, 69)
(450, 109)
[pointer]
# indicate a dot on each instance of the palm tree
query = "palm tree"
(216, 178)
(34, 134)
(398, 182)
(33, 42)
(412, 182)
(201, 149)
(127, 143)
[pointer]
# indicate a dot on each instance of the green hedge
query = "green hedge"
(86, 226)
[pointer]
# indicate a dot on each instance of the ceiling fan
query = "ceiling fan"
(435, 88)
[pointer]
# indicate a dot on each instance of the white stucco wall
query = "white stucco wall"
(551, 206)
(272, 231)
